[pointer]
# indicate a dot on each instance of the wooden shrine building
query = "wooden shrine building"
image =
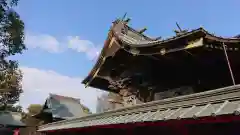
(147, 67)
(190, 80)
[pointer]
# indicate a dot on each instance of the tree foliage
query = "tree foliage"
(11, 29)
(11, 43)
(34, 109)
(28, 118)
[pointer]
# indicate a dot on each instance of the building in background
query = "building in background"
(10, 122)
(59, 107)
(103, 104)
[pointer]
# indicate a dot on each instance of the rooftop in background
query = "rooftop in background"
(59, 107)
(11, 119)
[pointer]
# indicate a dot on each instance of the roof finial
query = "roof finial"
(179, 27)
(142, 30)
(128, 20)
(124, 16)
(179, 31)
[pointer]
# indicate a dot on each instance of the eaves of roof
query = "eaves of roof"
(129, 42)
(220, 102)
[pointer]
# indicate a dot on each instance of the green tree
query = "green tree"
(34, 109)
(11, 43)
(27, 118)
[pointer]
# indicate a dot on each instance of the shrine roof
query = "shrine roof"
(220, 102)
(136, 43)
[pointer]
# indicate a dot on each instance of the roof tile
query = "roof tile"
(212, 103)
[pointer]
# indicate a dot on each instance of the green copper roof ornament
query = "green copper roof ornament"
(124, 16)
(143, 30)
(179, 31)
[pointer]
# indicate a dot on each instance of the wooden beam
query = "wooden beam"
(95, 74)
(229, 65)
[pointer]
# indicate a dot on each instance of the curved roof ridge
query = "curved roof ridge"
(118, 31)
(123, 37)
(63, 97)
